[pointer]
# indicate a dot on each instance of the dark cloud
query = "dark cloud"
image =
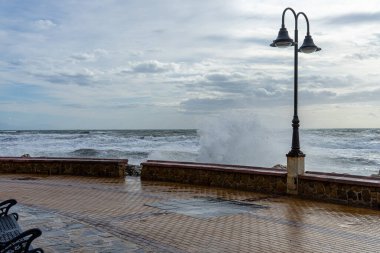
(361, 96)
(310, 97)
(217, 77)
(236, 91)
(223, 77)
(362, 56)
(320, 81)
(257, 99)
(83, 57)
(355, 18)
(151, 67)
(82, 79)
(235, 83)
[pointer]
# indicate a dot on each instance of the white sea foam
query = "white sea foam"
(240, 139)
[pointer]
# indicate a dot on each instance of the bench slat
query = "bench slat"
(9, 228)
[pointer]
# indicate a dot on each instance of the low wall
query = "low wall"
(64, 166)
(330, 187)
(340, 188)
(237, 177)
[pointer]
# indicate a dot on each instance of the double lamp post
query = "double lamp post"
(295, 157)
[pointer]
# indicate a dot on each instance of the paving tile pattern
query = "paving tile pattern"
(111, 215)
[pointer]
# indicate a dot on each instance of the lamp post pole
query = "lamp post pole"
(295, 157)
(296, 150)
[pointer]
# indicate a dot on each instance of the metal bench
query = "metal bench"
(12, 239)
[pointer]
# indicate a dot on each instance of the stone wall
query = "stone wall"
(64, 166)
(340, 188)
(236, 177)
(330, 187)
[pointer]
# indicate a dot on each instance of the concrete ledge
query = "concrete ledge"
(230, 176)
(340, 188)
(342, 179)
(64, 166)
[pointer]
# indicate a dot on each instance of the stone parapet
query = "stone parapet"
(340, 188)
(330, 187)
(230, 176)
(64, 166)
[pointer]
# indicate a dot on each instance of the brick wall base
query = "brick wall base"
(64, 166)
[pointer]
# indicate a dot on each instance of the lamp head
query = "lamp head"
(283, 40)
(308, 46)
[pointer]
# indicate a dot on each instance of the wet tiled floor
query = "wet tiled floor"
(79, 214)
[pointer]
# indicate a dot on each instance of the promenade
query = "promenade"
(80, 214)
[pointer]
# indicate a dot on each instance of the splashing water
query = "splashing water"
(240, 139)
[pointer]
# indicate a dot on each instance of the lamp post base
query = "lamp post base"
(295, 166)
(295, 153)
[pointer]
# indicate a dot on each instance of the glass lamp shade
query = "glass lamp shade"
(308, 46)
(283, 40)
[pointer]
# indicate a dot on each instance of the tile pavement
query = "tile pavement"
(79, 214)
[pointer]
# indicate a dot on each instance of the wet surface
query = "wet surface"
(79, 214)
(206, 207)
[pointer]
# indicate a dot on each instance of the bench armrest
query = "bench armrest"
(6, 205)
(22, 242)
(38, 250)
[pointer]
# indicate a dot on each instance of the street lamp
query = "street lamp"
(283, 40)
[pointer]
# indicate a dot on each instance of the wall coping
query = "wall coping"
(341, 178)
(309, 175)
(217, 167)
(61, 159)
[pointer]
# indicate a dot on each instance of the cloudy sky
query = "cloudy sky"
(103, 64)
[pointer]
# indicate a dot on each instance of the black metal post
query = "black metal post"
(308, 46)
(295, 151)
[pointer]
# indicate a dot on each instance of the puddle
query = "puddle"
(25, 178)
(206, 207)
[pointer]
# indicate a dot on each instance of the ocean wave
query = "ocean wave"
(85, 152)
(8, 139)
(173, 155)
(108, 153)
(355, 160)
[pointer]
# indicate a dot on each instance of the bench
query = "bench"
(12, 239)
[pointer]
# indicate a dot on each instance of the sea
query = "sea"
(352, 151)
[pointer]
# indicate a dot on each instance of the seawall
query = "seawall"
(331, 187)
(64, 166)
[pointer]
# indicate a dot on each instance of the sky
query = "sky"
(130, 64)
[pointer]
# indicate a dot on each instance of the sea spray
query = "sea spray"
(240, 139)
